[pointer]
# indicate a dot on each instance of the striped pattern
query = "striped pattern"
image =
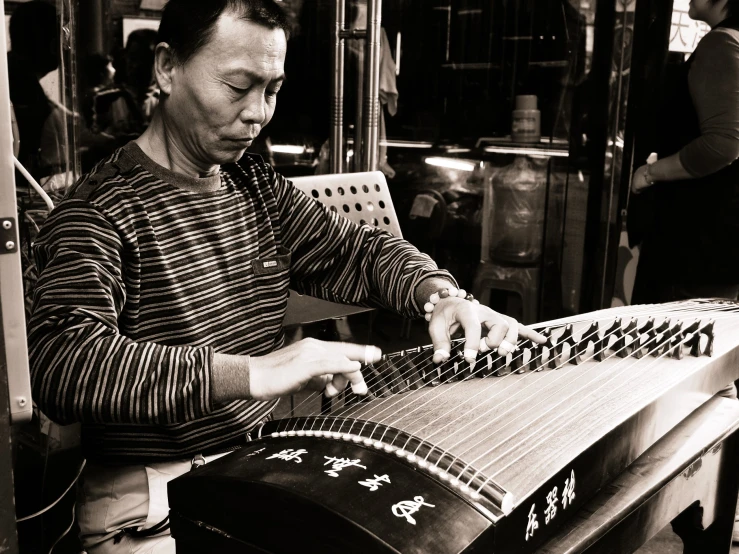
(141, 281)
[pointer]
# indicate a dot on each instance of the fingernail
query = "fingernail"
(441, 355)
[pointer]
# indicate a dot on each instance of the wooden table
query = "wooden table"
(691, 474)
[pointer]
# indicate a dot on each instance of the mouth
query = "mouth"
(242, 141)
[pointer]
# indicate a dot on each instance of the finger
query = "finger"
(335, 385)
(364, 353)
(318, 383)
(528, 333)
(332, 364)
(357, 381)
(439, 333)
(508, 344)
(498, 328)
(472, 330)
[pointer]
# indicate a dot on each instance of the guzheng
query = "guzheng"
(453, 458)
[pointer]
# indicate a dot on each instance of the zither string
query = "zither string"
(562, 413)
(517, 406)
(431, 390)
(417, 355)
(494, 383)
(316, 395)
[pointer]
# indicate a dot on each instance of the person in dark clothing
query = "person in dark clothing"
(34, 53)
(690, 247)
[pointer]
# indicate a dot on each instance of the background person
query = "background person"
(690, 240)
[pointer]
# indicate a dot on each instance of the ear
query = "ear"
(164, 67)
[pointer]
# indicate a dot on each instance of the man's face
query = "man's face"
(223, 96)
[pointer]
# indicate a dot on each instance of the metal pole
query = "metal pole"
(358, 160)
(336, 141)
(371, 107)
(14, 380)
(13, 313)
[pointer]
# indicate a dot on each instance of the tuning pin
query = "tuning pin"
(568, 338)
(676, 342)
(628, 341)
(535, 362)
(644, 334)
(499, 366)
(517, 365)
(707, 330)
(601, 347)
(592, 334)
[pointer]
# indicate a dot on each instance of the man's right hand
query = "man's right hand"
(312, 364)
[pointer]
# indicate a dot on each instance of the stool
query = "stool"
(521, 280)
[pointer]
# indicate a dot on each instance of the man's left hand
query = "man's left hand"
(452, 313)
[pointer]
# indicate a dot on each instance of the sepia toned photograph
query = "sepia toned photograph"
(369, 276)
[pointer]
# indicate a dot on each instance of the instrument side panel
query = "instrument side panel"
(320, 495)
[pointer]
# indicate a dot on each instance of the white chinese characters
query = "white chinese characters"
(407, 508)
(551, 510)
(374, 484)
(289, 455)
(568, 495)
(532, 525)
(337, 464)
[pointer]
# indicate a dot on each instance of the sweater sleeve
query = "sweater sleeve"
(338, 260)
(714, 88)
(82, 367)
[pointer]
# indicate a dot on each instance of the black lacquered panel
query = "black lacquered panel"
(316, 495)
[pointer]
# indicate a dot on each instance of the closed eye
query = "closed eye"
(238, 90)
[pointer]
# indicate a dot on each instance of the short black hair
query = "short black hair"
(187, 25)
(732, 7)
(96, 67)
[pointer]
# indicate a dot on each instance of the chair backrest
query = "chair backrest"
(363, 198)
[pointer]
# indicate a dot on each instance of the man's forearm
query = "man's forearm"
(230, 378)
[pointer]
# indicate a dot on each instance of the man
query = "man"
(164, 278)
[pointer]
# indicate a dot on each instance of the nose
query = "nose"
(254, 109)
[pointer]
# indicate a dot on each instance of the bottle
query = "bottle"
(518, 213)
(526, 120)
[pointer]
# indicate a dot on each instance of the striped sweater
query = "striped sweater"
(145, 273)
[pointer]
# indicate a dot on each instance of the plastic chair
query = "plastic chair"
(363, 198)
